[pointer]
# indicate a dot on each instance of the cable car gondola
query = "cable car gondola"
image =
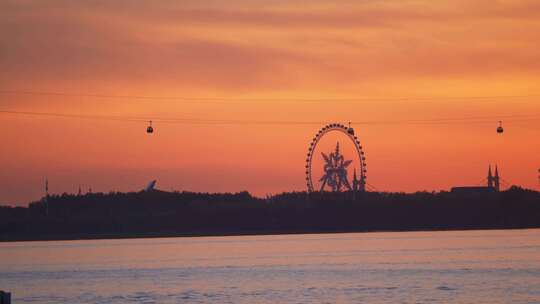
(500, 128)
(150, 130)
(350, 130)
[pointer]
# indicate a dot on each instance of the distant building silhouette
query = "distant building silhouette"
(494, 181)
(355, 182)
(472, 190)
(490, 178)
(497, 180)
(493, 184)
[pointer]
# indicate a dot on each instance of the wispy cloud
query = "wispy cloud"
(287, 45)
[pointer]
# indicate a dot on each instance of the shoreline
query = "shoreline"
(87, 237)
(161, 214)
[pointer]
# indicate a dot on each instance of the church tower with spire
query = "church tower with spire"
(490, 178)
(496, 180)
(493, 184)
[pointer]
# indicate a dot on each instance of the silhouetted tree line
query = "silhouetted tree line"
(159, 213)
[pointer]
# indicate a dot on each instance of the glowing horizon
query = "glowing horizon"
(396, 61)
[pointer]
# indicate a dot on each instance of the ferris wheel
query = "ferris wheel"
(335, 169)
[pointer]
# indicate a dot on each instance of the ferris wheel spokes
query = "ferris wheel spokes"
(335, 166)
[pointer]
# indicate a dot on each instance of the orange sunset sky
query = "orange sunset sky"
(379, 64)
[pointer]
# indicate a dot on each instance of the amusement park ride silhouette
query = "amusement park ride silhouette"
(335, 175)
(335, 165)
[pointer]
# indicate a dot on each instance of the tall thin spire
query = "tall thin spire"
(497, 179)
(355, 181)
(46, 199)
(490, 178)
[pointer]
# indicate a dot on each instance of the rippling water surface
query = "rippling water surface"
(401, 267)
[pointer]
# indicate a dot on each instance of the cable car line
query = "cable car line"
(167, 120)
(81, 116)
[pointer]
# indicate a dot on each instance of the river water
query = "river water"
(400, 267)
